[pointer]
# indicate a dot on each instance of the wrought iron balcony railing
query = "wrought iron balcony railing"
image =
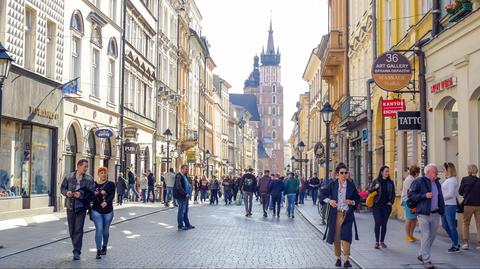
(353, 106)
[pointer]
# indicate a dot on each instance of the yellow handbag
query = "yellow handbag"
(371, 199)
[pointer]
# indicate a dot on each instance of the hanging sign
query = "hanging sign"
(103, 133)
(390, 107)
(191, 156)
(130, 133)
(409, 120)
(319, 150)
(130, 148)
(392, 71)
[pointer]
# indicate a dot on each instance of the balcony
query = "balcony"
(353, 106)
(189, 140)
(334, 54)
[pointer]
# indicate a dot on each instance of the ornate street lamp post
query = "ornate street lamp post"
(168, 137)
(301, 147)
(327, 113)
(5, 63)
(207, 156)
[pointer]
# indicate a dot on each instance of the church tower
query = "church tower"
(265, 83)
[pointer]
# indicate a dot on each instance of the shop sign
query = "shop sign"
(392, 71)
(43, 113)
(103, 133)
(130, 132)
(444, 84)
(130, 148)
(191, 156)
(409, 120)
(364, 135)
(319, 150)
(390, 107)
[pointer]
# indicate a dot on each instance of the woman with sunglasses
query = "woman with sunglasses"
(343, 198)
(382, 205)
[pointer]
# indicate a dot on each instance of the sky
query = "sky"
(238, 29)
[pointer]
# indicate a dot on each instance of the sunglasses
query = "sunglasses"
(343, 172)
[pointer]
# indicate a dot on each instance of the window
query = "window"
(388, 25)
(273, 111)
(138, 90)
(274, 123)
(274, 99)
(128, 27)
(76, 22)
(76, 53)
(131, 90)
(111, 81)
(450, 118)
(127, 88)
(426, 5)
(95, 80)
(113, 48)
(96, 35)
(113, 10)
(274, 88)
(50, 56)
(30, 38)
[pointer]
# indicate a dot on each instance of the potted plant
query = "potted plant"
(458, 9)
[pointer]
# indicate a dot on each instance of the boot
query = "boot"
(98, 257)
(104, 250)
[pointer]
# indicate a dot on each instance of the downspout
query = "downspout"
(347, 71)
(369, 96)
(436, 17)
(122, 90)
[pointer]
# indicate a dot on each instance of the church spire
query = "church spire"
(270, 45)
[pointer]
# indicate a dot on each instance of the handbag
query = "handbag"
(371, 199)
(411, 203)
(460, 206)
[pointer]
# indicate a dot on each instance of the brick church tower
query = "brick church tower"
(265, 83)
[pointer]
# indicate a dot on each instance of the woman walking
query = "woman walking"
(449, 218)
(214, 187)
(410, 217)
(382, 206)
(121, 188)
(102, 210)
(470, 190)
(343, 198)
(203, 189)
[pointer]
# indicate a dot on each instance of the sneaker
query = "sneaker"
(278, 215)
(338, 263)
(190, 227)
(409, 239)
(182, 228)
(382, 245)
(465, 247)
(428, 265)
(347, 264)
(98, 257)
(453, 249)
(265, 215)
(420, 258)
(76, 257)
(104, 250)
(293, 216)
(377, 245)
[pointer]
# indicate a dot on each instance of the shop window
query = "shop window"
(42, 152)
(450, 119)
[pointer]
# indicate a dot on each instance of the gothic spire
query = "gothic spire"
(270, 46)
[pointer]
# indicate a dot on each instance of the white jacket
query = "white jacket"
(450, 191)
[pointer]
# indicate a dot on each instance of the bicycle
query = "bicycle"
(323, 212)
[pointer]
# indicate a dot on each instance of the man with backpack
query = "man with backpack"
(249, 186)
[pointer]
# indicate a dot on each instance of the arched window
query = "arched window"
(274, 123)
(91, 152)
(274, 99)
(274, 88)
(274, 135)
(113, 48)
(450, 118)
(96, 35)
(71, 149)
(107, 152)
(76, 22)
(273, 111)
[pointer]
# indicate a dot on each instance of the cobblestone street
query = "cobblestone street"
(223, 238)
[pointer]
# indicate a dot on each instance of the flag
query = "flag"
(70, 87)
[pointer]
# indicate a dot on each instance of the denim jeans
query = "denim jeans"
(132, 187)
(76, 220)
(228, 196)
(203, 195)
(102, 227)
(276, 201)
(151, 190)
(144, 195)
(182, 216)
(291, 204)
(314, 193)
(449, 223)
(302, 197)
(213, 196)
(167, 197)
(247, 199)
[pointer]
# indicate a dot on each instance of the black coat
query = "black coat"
(87, 189)
(179, 189)
(331, 192)
(121, 186)
(390, 191)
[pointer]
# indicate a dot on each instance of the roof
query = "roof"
(262, 153)
(247, 101)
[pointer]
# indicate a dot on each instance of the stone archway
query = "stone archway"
(447, 113)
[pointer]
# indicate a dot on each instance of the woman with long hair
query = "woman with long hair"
(449, 218)
(102, 210)
(410, 217)
(382, 205)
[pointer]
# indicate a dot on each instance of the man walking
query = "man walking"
(131, 185)
(314, 184)
(263, 188)
(427, 193)
(170, 182)
(151, 185)
(292, 185)
(249, 186)
(78, 189)
(182, 191)
(228, 189)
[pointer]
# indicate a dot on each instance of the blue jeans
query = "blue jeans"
(302, 197)
(228, 196)
(203, 195)
(132, 187)
(182, 216)
(102, 228)
(144, 195)
(291, 203)
(449, 223)
(167, 198)
(213, 196)
(314, 195)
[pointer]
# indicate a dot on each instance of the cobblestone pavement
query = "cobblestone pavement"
(223, 238)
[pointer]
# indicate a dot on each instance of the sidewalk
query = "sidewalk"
(399, 254)
(21, 234)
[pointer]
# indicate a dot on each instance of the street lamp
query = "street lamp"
(327, 113)
(301, 147)
(207, 156)
(293, 163)
(168, 137)
(5, 63)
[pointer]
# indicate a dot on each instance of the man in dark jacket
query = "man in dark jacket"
(249, 186)
(314, 184)
(131, 185)
(121, 188)
(427, 193)
(263, 188)
(151, 185)
(182, 191)
(78, 188)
